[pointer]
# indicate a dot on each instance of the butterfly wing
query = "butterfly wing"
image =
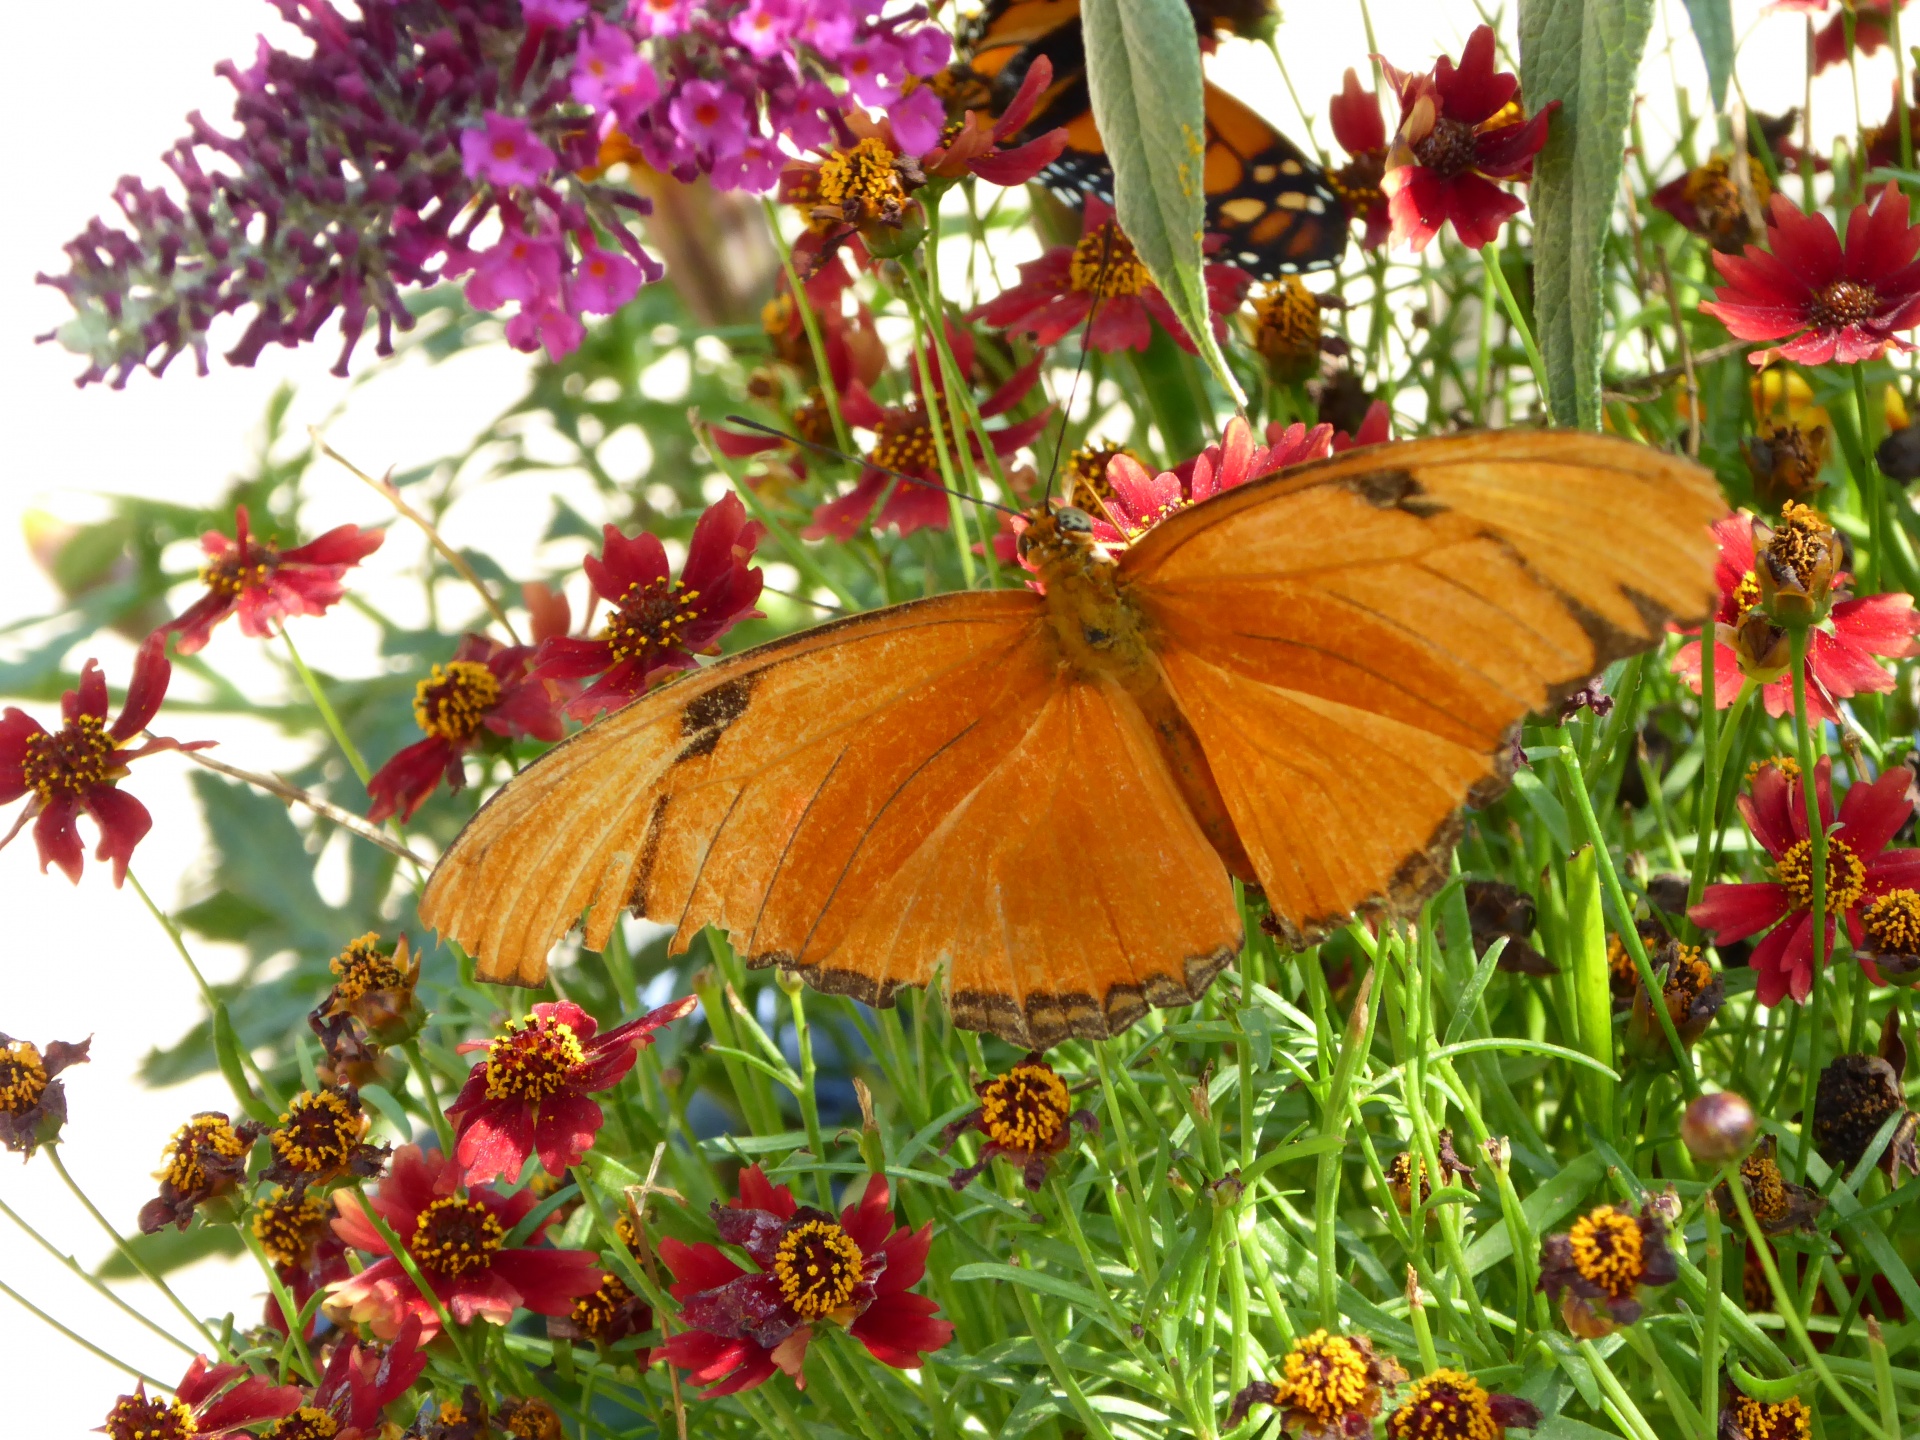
(1352, 642)
(859, 803)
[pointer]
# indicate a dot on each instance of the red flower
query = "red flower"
(1363, 135)
(263, 584)
(205, 1405)
(1830, 41)
(1860, 869)
(295, 1231)
(656, 623)
(456, 1237)
(975, 147)
(745, 1324)
(1839, 305)
(1376, 428)
(486, 686)
(1461, 130)
(79, 766)
(1102, 275)
(1840, 649)
(361, 1380)
(1140, 501)
(530, 1093)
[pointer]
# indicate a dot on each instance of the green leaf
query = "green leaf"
(998, 1274)
(1592, 993)
(1584, 54)
(1143, 76)
(1544, 1208)
(168, 1249)
(1713, 28)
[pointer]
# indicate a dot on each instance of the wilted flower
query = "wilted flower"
(1026, 1119)
(531, 1094)
(1779, 1206)
(1452, 1405)
(1331, 1387)
(1785, 463)
(1708, 202)
(1693, 992)
(456, 1236)
(1287, 330)
(321, 1137)
(857, 1273)
(295, 1231)
(33, 1101)
(1497, 910)
(1718, 1127)
(205, 1159)
(263, 584)
(206, 1404)
(1402, 1169)
(78, 768)
(373, 983)
(1461, 131)
(613, 1312)
(1601, 1265)
(1745, 1418)
(1856, 1095)
(1357, 125)
(1831, 305)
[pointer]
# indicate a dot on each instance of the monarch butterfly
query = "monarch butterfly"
(1296, 683)
(1274, 205)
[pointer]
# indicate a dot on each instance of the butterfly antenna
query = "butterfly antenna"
(1080, 367)
(842, 455)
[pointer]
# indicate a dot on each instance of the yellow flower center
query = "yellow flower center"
(650, 617)
(453, 1236)
(776, 316)
(817, 1267)
(287, 1227)
(69, 760)
(863, 179)
(529, 1420)
(1286, 321)
(363, 968)
(1787, 1419)
(319, 1132)
(1766, 1187)
(1446, 1405)
(1607, 1250)
(1325, 1375)
(1846, 876)
(306, 1423)
(184, 1167)
(532, 1060)
(1106, 265)
(1026, 1108)
(1746, 594)
(904, 442)
(1785, 764)
(594, 1314)
(147, 1417)
(452, 701)
(233, 573)
(23, 1077)
(1892, 923)
(1087, 467)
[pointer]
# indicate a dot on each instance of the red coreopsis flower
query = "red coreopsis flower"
(1828, 302)
(656, 622)
(78, 768)
(532, 1092)
(1461, 131)
(1102, 275)
(1376, 428)
(361, 1380)
(1140, 501)
(975, 147)
(33, 1101)
(1363, 135)
(261, 583)
(1860, 869)
(1870, 26)
(1841, 649)
(746, 1324)
(295, 1231)
(206, 1404)
(456, 1236)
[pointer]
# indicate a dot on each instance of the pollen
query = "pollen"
(147, 1417)
(319, 1132)
(452, 701)
(904, 442)
(1785, 764)
(1787, 1419)
(23, 1077)
(1892, 924)
(1105, 264)
(1607, 1250)
(233, 572)
(1803, 538)
(1449, 149)
(1446, 1405)
(1358, 181)
(1766, 1187)
(1325, 1376)
(528, 1420)
(289, 1225)
(306, 1423)
(69, 761)
(209, 1134)
(1688, 978)
(817, 1267)
(1026, 1109)
(863, 182)
(1746, 594)
(453, 1236)
(533, 1060)
(594, 1315)
(1286, 321)
(650, 617)
(364, 968)
(1846, 876)
(1087, 470)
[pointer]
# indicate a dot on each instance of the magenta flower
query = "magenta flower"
(609, 73)
(1860, 869)
(604, 280)
(763, 26)
(551, 14)
(710, 117)
(78, 768)
(532, 1094)
(262, 583)
(518, 267)
(874, 69)
(546, 327)
(505, 151)
(663, 18)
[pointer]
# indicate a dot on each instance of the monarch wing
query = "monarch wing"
(858, 803)
(1353, 642)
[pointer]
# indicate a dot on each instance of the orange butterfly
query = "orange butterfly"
(1274, 206)
(1296, 683)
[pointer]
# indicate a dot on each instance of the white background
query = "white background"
(90, 99)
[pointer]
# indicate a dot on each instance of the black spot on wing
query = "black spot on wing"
(1395, 490)
(707, 716)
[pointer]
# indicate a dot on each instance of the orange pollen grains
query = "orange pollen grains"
(68, 760)
(1287, 320)
(817, 1267)
(1026, 1108)
(453, 1236)
(650, 617)
(207, 1134)
(288, 1226)
(1607, 1250)
(1446, 1405)
(1844, 302)
(864, 179)
(23, 1077)
(533, 1060)
(1802, 540)
(1787, 1419)
(306, 1423)
(363, 967)
(1746, 594)
(319, 1132)
(905, 442)
(1892, 923)
(1766, 1187)
(1846, 876)
(452, 701)
(1325, 1375)
(1106, 265)
(146, 1417)
(1785, 764)
(229, 574)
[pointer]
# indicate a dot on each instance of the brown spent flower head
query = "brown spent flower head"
(462, 1419)
(205, 1159)
(1785, 462)
(1331, 1387)
(33, 1103)
(1496, 909)
(1891, 932)
(613, 1312)
(1745, 1418)
(528, 1420)
(1693, 992)
(1856, 1095)
(1452, 1405)
(289, 1223)
(1795, 563)
(1600, 1266)
(1718, 1127)
(1026, 1116)
(374, 983)
(321, 1136)
(1777, 1203)
(1404, 1166)
(1287, 330)
(1623, 976)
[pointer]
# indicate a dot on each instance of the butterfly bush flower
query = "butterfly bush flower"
(1860, 869)
(1357, 125)
(1452, 1405)
(1026, 1117)
(532, 1094)
(209, 1402)
(205, 1160)
(1602, 1264)
(1831, 304)
(1462, 131)
(1331, 1387)
(857, 1273)
(263, 584)
(77, 769)
(456, 1235)
(656, 621)
(33, 1100)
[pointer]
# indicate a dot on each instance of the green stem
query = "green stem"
(289, 1310)
(1490, 257)
(328, 716)
(404, 1258)
(411, 1049)
(85, 1344)
(94, 1282)
(1710, 1322)
(809, 1099)
(1817, 836)
(1077, 1397)
(1866, 479)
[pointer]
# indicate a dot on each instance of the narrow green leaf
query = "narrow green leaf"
(1544, 1208)
(1713, 28)
(1039, 1280)
(1592, 997)
(1584, 54)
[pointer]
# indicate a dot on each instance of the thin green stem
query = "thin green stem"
(328, 716)
(94, 1282)
(85, 1344)
(1490, 257)
(809, 1097)
(411, 1049)
(1817, 912)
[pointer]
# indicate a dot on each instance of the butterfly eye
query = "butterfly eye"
(1073, 521)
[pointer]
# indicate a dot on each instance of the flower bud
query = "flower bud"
(1718, 1128)
(1763, 648)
